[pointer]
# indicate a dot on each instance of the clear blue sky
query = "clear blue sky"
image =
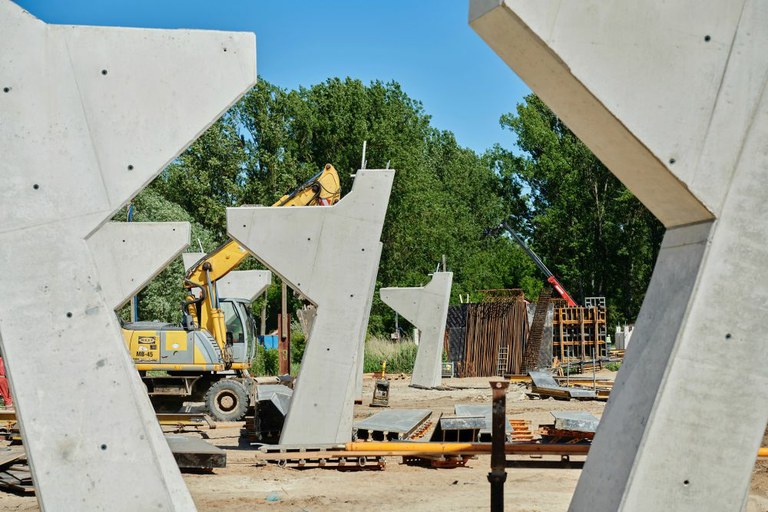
(425, 45)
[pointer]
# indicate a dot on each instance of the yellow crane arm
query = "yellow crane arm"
(322, 189)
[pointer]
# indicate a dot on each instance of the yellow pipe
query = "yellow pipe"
(464, 448)
(411, 448)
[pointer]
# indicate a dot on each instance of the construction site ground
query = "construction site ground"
(247, 485)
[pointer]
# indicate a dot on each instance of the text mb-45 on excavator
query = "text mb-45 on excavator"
(208, 356)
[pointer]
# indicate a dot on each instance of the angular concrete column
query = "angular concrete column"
(128, 255)
(89, 116)
(425, 307)
(672, 98)
(331, 256)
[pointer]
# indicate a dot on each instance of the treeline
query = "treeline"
(446, 199)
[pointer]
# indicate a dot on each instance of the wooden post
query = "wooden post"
(284, 334)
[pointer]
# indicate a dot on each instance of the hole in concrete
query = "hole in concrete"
(686, 482)
(327, 349)
(225, 49)
(123, 241)
(707, 38)
(6, 89)
(351, 295)
(130, 167)
(671, 161)
(363, 249)
(103, 71)
(728, 336)
(69, 314)
(35, 186)
(308, 239)
(243, 225)
(103, 447)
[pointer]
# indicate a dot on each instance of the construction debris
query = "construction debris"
(545, 385)
(194, 453)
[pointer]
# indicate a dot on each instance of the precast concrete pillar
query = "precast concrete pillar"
(331, 256)
(672, 97)
(90, 115)
(426, 308)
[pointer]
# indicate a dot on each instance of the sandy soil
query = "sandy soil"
(247, 485)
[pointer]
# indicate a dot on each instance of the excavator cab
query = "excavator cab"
(241, 329)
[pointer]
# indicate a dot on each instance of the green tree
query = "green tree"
(591, 231)
(161, 298)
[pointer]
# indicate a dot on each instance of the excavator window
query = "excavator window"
(233, 321)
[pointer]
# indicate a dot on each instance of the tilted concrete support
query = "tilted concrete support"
(331, 256)
(89, 116)
(672, 97)
(128, 255)
(427, 308)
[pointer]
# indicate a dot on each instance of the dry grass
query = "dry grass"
(400, 356)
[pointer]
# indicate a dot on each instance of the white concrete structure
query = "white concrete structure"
(244, 284)
(89, 116)
(190, 258)
(128, 255)
(331, 256)
(238, 284)
(672, 98)
(425, 307)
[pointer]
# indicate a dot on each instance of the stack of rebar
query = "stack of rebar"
(536, 334)
(491, 326)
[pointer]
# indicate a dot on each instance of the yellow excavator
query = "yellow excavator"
(208, 356)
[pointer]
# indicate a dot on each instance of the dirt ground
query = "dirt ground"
(247, 485)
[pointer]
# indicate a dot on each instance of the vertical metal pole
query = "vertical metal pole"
(498, 474)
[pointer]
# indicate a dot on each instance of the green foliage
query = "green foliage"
(298, 342)
(400, 356)
(614, 367)
(595, 236)
(589, 229)
(265, 363)
(162, 298)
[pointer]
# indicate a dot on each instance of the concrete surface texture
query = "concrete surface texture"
(672, 98)
(330, 255)
(190, 258)
(128, 255)
(244, 284)
(90, 116)
(426, 308)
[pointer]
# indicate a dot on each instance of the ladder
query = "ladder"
(501, 363)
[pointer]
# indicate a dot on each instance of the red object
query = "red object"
(561, 291)
(5, 392)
